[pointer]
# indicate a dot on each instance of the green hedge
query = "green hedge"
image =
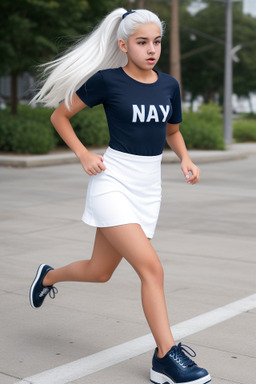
(91, 126)
(244, 130)
(27, 132)
(203, 129)
(32, 132)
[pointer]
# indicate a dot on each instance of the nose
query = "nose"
(151, 48)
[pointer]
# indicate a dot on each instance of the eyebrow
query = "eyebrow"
(146, 38)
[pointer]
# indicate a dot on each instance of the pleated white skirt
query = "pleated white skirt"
(128, 191)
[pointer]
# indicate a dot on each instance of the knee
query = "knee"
(98, 273)
(103, 277)
(154, 273)
(159, 273)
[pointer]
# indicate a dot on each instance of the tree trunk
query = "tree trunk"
(175, 69)
(14, 94)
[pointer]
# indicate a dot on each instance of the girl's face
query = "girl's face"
(143, 47)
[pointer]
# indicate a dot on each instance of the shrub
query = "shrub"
(203, 129)
(24, 134)
(33, 137)
(31, 130)
(6, 131)
(39, 113)
(244, 130)
(249, 116)
(91, 126)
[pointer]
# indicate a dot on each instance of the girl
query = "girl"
(115, 66)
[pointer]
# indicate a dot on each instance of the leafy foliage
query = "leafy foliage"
(34, 31)
(202, 42)
(244, 34)
(203, 129)
(29, 29)
(91, 126)
(245, 130)
(24, 134)
(32, 132)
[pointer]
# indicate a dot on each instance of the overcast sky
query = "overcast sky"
(249, 6)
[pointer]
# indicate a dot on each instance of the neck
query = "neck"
(142, 75)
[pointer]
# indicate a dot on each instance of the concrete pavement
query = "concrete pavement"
(205, 239)
(65, 156)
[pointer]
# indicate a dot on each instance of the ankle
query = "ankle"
(47, 281)
(162, 350)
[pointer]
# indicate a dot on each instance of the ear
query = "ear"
(123, 46)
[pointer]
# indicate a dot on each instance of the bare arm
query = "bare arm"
(176, 142)
(91, 162)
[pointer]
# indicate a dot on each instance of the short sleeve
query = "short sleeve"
(93, 91)
(176, 117)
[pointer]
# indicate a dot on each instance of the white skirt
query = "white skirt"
(128, 191)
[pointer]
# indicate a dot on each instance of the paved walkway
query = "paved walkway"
(205, 239)
(236, 151)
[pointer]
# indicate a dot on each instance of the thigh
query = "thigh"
(130, 242)
(105, 258)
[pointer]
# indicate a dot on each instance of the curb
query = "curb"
(236, 152)
(205, 157)
(38, 161)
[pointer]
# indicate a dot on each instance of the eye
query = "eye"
(157, 42)
(142, 43)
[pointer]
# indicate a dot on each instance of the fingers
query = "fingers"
(191, 173)
(95, 169)
(102, 165)
(193, 179)
(93, 164)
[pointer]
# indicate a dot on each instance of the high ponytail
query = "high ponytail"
(97, 51)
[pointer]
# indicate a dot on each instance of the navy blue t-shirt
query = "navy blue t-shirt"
(136, 112)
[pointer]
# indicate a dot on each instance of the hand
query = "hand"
(191, 172)
(92, 163)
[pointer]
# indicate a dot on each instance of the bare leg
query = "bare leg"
(100, 268)
(130, 242)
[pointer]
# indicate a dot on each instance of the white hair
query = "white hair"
(97, 51)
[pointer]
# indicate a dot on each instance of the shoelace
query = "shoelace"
(51, 290)
(180, 356)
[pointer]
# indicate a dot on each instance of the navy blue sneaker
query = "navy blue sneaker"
(38, 291)
(177, 368)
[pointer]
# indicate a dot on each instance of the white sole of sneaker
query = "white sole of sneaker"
(34, 283)
(160, 378)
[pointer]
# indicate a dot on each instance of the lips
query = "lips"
(151, 60)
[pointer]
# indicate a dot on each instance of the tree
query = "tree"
(244, 71)
(32, 32)
(203, 37)
(202, 42)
